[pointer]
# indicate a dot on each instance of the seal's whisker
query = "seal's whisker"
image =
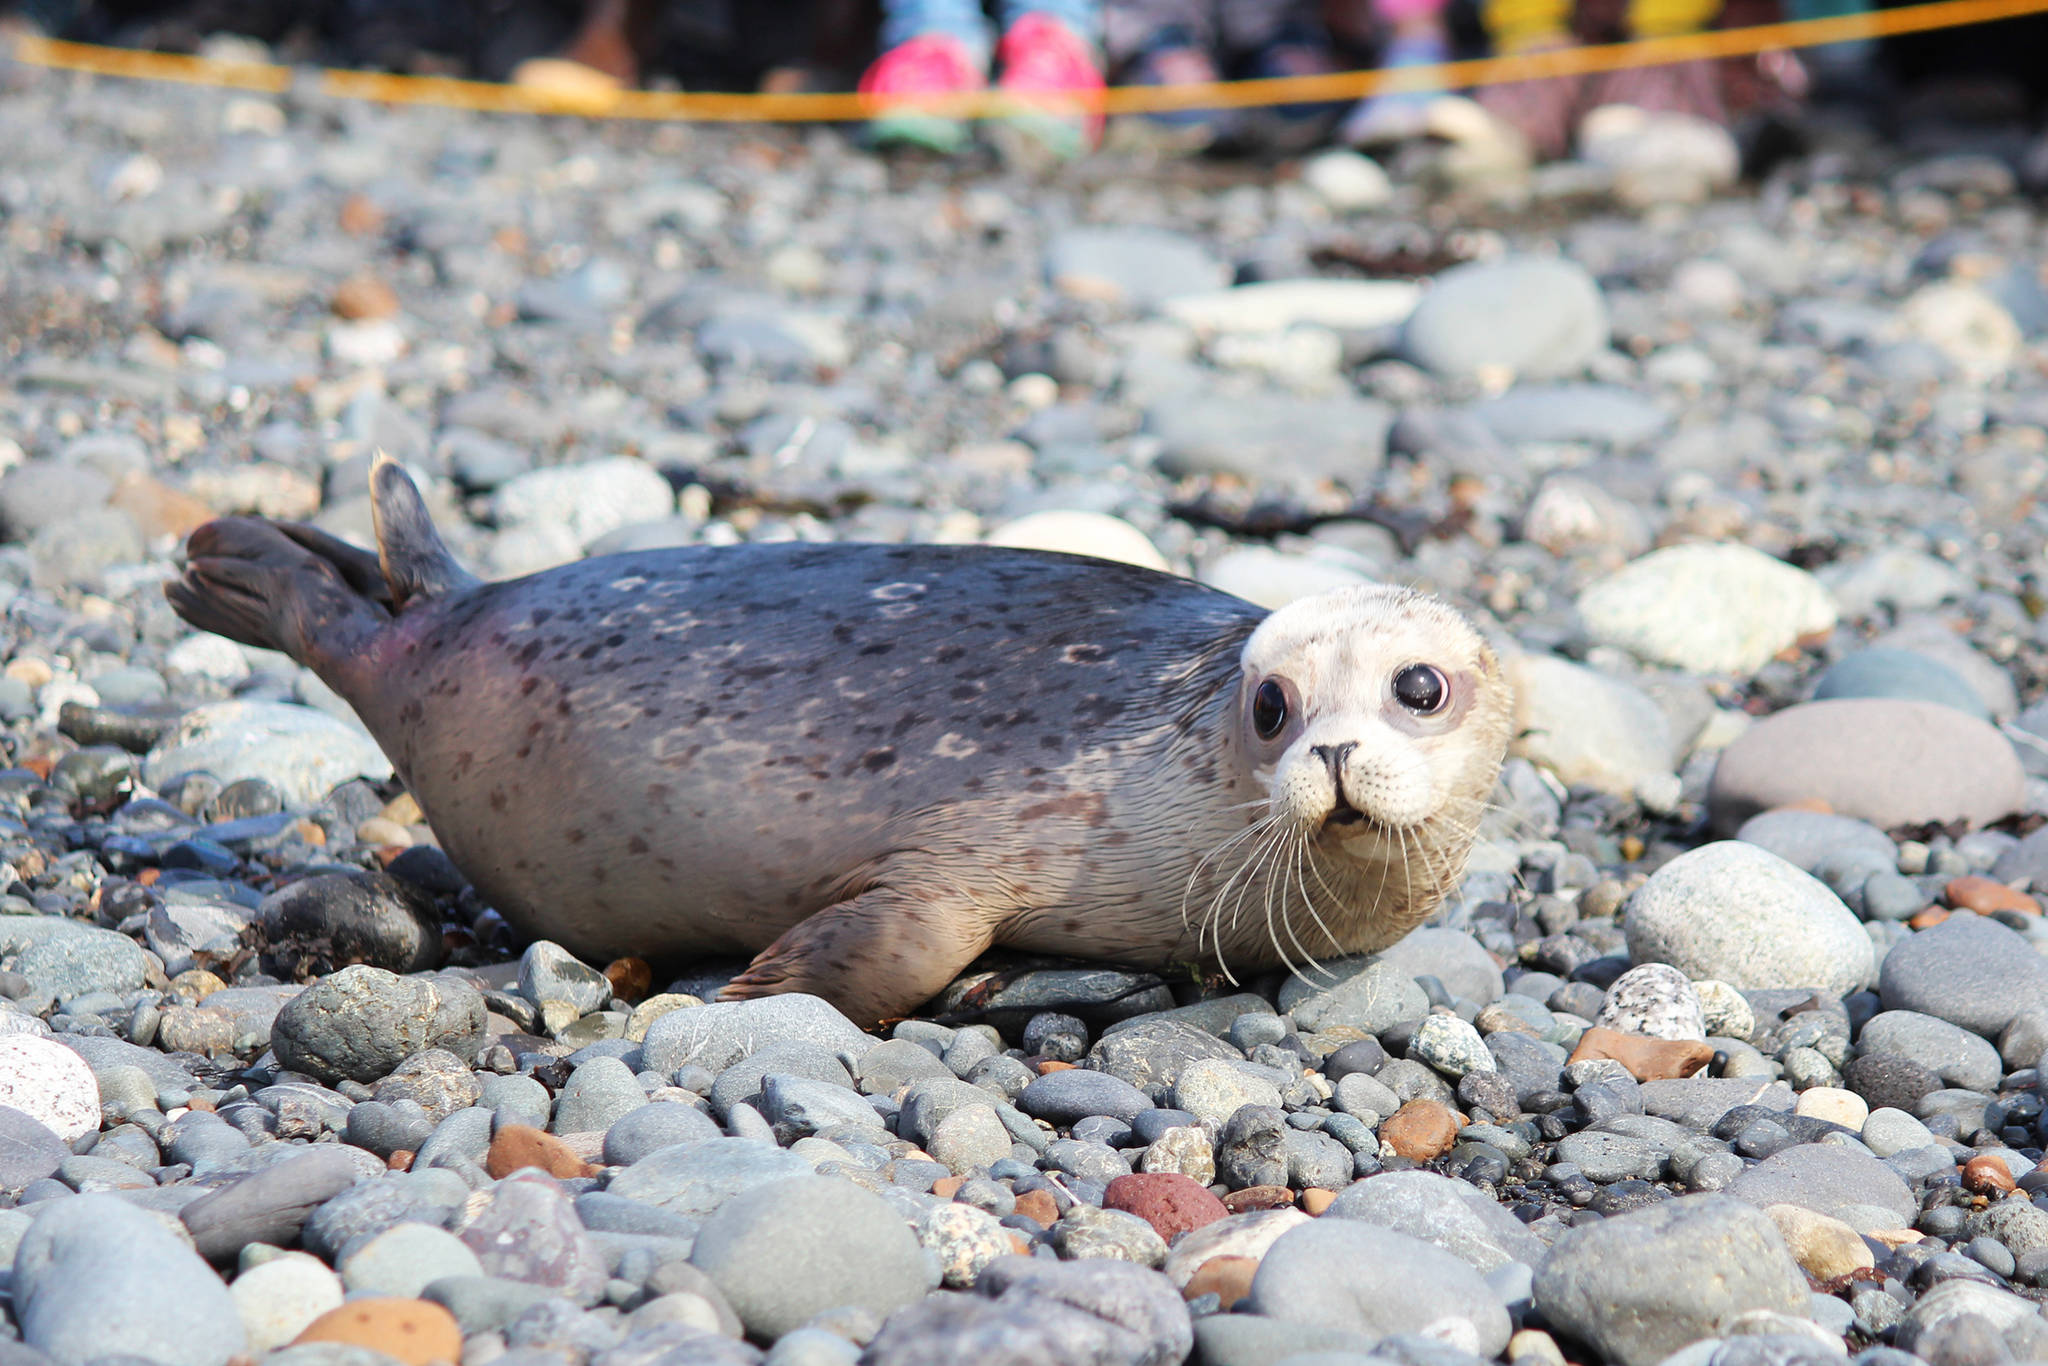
(1309, 857)
(1214, 922)
(1188, 890)
(1272, 850)
(1300, 844)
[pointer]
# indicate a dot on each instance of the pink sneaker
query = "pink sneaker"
(1054, 78)
(902, 84)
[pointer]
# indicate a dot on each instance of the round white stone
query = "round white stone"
(47, 1081)
(1742, 915)
(1073, 532)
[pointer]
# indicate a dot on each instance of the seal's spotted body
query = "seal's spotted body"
(871, 762)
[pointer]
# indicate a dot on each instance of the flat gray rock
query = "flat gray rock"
(718, 1035)
(1358, 1277)
(1531, 317)
(97, 1277)
(1969, 970)
(696, 1178)
(1451, 1214)
(1639, 1286)
(1825, 1178)
(785, 1250)
(1951, 1052)
(1888, 761)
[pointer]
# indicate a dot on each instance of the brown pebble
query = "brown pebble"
(416, 1332)
(404, 809)
(312, 833)
(1229, 1278)
(360, 216)
(400, 1160)
(1928, 918)
(1984, 895)
(200, 1103)
(1646, 1059)
(1173, 1204)
(1258, 1197)
(631, 979)
(1039, 1207)
(1315, 1200)
(157, 508)
(1421, 1130)
(363, 296)
(1046, 1065)
(522, 1145)
(1987, 1175)
(946, 1187)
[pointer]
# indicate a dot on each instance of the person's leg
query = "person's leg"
(1169, 43)
(1049, 65)
(1132, 28)
(1682, 88)
(1544, 111)
(961, 20)
(929, 49)
(1412, 33)
(1277, 39)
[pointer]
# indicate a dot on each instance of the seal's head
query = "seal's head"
(1374, 720)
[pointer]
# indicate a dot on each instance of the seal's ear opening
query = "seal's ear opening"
(416, 563)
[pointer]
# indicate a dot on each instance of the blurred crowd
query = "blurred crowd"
(1046, 62)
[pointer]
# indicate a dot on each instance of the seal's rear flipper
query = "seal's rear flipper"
(280, 587)
(877, 956)
(416, 563)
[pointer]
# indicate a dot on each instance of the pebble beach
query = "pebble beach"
(1727, 1053)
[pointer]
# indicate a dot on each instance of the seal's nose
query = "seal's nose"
(1333, 757)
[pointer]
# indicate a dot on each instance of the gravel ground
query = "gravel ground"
(1727, 1056)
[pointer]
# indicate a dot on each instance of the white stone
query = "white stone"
(1586, 726)
(1965, 324)
(590, 498)
(304, 753)
(1074, 532)
(1276, 305)
(1347, 181)
(1235, 1235)
(1742, 915)
(1707, 286)
(50, 1083)
(1835, 1105)
(278, 1298)
(1570, 513)
(208, 656)
(366, 344)
(1304, 358)
(1274, 578)
(1213, 1089)
(1659, 156)
(1713, 609)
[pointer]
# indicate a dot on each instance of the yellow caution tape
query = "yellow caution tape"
(711, 107)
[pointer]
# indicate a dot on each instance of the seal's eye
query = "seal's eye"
(1269, 709)
(1421, 688)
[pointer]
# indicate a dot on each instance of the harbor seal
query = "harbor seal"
(867, 764)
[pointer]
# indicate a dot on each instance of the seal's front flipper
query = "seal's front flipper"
(416, 562)
(877, 956)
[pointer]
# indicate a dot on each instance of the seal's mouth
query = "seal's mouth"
(1344, 813)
